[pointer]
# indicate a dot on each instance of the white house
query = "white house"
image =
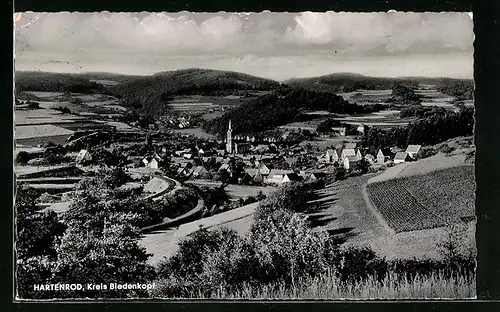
(200, 172)
(151, 162)
(276, 177)
(412, 150)
(349, 161)
(264, 170)
(83, 155)
(291, 177)
(333, 155)
(383, 155)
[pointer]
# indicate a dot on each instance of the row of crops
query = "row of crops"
(425, 201)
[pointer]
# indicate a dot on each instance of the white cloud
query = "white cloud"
(141, 40)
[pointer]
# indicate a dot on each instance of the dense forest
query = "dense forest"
(434, 129)
(344, 82)
(403, 94)
(55, 82)
(280, 108)
(460, 89)
(151, 94)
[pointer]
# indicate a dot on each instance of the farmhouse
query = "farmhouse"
(349, 161)
(351, 151)
(150, 162)
(401, 157)
(264, 170)
(333, 155)
(256, 176)
(200, 172)
(276, 177)
(291, 177)
(383, 155)
(83, 156)
(412, 150)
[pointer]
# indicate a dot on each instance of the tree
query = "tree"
(36, 231)
(340, 174)
(22, 158)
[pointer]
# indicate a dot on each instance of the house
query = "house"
(248, 163)
(224, 167)
(221, 152)
(83, 156)
(333, 155)
(361, 129)
(349, 161)
(187, 156)
(412, 150)
(347, 152)
(201, 152)
(291, 177)
(255, 174)
(383, 155)
(241, 148)
(339, 130)
(276, 176)
(250, 138)
(150, 162)
(200, 172)
(264, 170)
(316, 176)
(401, 157)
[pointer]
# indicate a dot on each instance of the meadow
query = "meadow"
(329, 287)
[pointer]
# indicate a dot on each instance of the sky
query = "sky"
(279, 46)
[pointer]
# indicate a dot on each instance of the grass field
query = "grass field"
(242, 191)
(327, 286)
(197, 132)
(165, 243)
(426, 200)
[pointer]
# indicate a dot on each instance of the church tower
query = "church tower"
(229, 139)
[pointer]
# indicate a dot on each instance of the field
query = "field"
(367, 96)
(426, 201)
(327, 286)
(165, 243)
(26, 132)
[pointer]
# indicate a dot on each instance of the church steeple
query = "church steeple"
(229, 139)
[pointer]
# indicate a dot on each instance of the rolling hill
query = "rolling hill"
(348, 82)
(151, 94)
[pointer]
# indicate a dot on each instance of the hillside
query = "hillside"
(280, 108)
(55, 82)
(151, 94)
(347, 82)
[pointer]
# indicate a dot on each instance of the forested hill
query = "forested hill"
(54, 82)
(281, 107)
(152, 93)
(347, 82)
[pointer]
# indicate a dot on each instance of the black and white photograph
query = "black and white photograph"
(261, 155)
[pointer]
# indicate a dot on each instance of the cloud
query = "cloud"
(249, 40)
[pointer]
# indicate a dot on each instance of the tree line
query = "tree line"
(433, 129)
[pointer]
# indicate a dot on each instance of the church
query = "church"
(235, 148)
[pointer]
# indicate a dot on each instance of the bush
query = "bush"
(23, 157)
